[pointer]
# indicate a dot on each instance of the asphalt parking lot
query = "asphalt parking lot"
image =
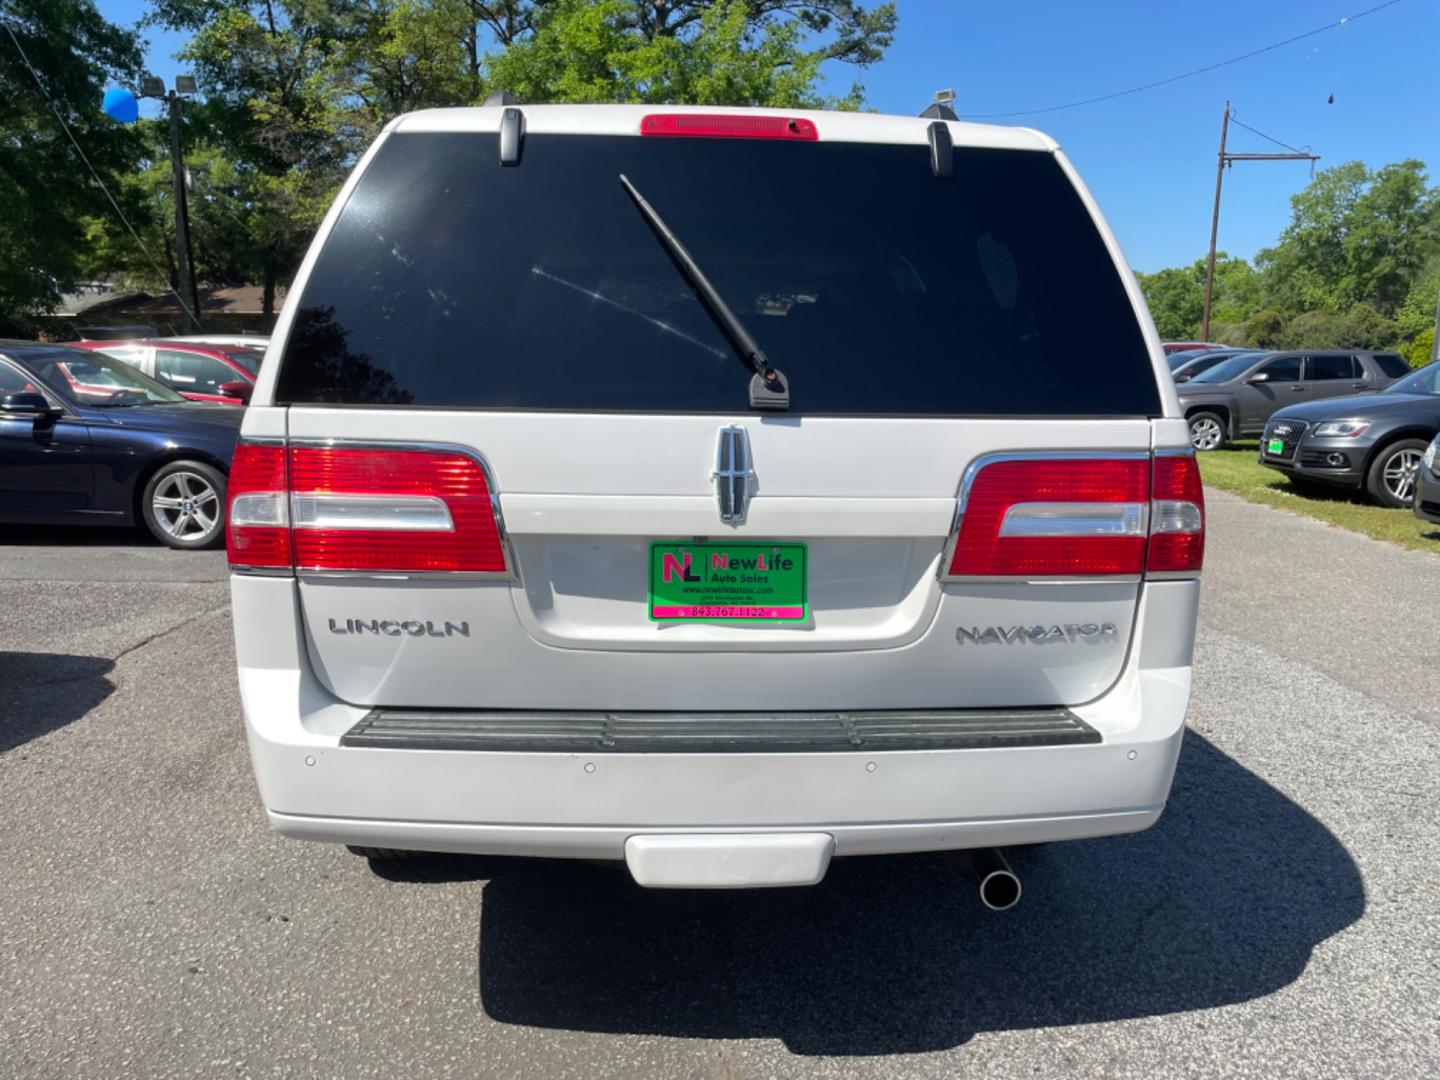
(1282, 919)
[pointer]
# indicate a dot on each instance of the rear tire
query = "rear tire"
(183, 505)
(1207, 430)
(384, 854)
(1391, 479)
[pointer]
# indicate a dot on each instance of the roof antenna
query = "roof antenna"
(942, 108)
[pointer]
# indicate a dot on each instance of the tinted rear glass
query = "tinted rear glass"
(1392, 365)
(1425, 380)
(1179, 359)
(1330, 366)
(1205, 363)
(249, 359)
(877, 289)
(1227, 370)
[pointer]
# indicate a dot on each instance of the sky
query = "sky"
(1149, 158)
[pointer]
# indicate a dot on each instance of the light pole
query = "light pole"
(153, 87)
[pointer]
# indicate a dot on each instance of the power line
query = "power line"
(1188, 74)
(1268, 138)
(154, 264)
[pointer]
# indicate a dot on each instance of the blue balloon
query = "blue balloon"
(120, 104)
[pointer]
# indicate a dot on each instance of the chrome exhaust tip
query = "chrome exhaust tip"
(1000, 887)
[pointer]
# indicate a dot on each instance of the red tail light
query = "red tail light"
(728, 126)
(257, 520)
(1177, 516)
(352, 508)
(1054, 517)
(1035, 517)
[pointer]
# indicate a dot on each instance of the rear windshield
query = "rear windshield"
(1424, 381)
(1204, 363)
(1392, 364)
(1178, 359)
(452, 281)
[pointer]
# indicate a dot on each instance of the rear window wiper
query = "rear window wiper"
(769, 389)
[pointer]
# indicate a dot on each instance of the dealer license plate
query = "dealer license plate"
(1275, 447)
(728, 582)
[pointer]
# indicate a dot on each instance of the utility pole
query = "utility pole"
(185, 268)
(1225, 159)
(1214, 226)
(153, 87)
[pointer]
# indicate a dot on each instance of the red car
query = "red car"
(216, 373)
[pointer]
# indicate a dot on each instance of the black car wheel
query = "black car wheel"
(1391, 479)
(183, 505)
(1207, 431)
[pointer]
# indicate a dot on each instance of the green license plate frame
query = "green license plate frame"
(720, 581)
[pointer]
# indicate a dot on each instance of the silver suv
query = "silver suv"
(1236, 397)
(714, 490)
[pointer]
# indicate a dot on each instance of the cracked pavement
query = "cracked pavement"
(1282, 919)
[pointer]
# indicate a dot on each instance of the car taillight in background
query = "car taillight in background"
(1080, 516)
(363, 509)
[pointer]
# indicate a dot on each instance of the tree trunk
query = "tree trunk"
(267, 302)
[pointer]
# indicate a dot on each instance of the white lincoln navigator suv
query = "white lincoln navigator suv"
(716, 490)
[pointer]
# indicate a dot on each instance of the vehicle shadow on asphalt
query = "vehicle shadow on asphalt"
(40, 692)
(1221, 902)
(75, 536)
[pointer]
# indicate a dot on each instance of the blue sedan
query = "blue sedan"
(85, 439)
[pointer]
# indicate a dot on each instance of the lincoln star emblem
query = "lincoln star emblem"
(732, 474)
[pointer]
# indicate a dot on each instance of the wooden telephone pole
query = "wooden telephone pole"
(1226, 159)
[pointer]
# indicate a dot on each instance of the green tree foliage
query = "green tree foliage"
(1358, 266)
(271, 100)
(1176, 301)
(47, 195)
(396, 56)
(293, 89)
(729, 52)
(1419, 351)
(1417, 313)
(1358, 328)
(1176, 295)
(1355, 236)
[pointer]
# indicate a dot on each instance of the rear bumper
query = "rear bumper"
(587, 805)
(560, 842)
